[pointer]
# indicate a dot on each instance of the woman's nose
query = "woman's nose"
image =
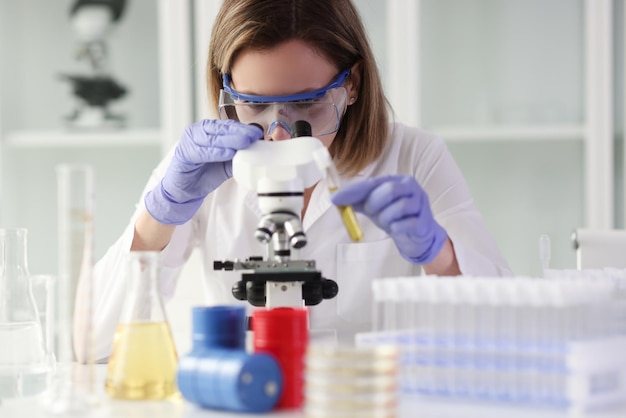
(279, 133)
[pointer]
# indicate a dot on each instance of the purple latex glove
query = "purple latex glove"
(202, 161)
(399, 206)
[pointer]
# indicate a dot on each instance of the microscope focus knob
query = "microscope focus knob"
(329, 288)
(239, 290)
(255, 293)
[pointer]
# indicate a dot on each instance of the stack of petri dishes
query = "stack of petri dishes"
(351, 382)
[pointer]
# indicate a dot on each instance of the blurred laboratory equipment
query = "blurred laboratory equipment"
(351, 382)
(545, 249)
(218, 373)
(92, 22)
(219, 327)
(598, 248)
(556, 341)
(24, 360)
(75, 203)
(144, 361)
(279, 171)
(284, 333)
(44, 293)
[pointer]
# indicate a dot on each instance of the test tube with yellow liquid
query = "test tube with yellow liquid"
(325, 163)
(144, 361)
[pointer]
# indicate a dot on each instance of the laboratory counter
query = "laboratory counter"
(408, 407)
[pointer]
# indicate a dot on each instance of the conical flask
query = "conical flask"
(24, 367)
(143, 363)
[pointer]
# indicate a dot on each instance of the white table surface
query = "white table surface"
(408, 407)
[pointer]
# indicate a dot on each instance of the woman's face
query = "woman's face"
(289, 68)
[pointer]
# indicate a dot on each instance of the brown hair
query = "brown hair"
(335, 30)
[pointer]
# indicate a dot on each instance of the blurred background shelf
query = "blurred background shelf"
(149, 52)
(510, 133)
(122, 138)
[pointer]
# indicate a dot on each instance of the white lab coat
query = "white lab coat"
(223, 229)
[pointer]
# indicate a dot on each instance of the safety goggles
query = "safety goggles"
(322, 108)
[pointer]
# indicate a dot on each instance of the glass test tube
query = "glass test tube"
(325, 163)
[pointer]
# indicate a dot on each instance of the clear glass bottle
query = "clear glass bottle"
(24, 366)
(144, 361)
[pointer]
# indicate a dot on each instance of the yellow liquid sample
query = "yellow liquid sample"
(144, 362)
(350, 221)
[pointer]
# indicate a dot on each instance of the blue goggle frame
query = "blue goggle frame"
(309, 95)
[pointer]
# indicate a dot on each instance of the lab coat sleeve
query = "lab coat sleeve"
(109, 273)
(452, 204)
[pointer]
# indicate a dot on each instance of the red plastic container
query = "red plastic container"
(284, 333)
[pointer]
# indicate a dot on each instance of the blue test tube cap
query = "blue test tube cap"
(222, 326)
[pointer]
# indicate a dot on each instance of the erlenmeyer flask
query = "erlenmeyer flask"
(143, 363)
(24, 366)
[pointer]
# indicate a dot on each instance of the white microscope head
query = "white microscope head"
(274, 169)
(279, 172)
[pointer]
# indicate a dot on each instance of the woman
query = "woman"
(414, 205)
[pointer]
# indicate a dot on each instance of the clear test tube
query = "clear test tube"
(325, 163)
(385, 303)
(378, 313)
(75, 198)
(405, 311)
(544, 252)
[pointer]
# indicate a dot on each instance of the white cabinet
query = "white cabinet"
(149, 54)
(523, 92)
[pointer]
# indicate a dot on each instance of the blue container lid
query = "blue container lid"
(219, 327)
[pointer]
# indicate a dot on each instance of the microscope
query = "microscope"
(91, 22)
(279, 172)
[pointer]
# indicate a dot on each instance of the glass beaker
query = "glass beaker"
(144, 361)
(24, 367)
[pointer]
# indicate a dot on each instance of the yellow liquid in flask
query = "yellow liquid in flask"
(144, 362)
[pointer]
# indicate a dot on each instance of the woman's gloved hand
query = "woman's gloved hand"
(399, 206)
(202, 161)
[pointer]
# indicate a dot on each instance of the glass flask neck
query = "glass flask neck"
(14, 254)
(143, 300)
(16, 299)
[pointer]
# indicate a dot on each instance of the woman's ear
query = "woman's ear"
(353, 83)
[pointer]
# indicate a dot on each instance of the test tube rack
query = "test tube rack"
(555, 342)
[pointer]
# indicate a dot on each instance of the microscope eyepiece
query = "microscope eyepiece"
(301, 128)
(260, 127)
